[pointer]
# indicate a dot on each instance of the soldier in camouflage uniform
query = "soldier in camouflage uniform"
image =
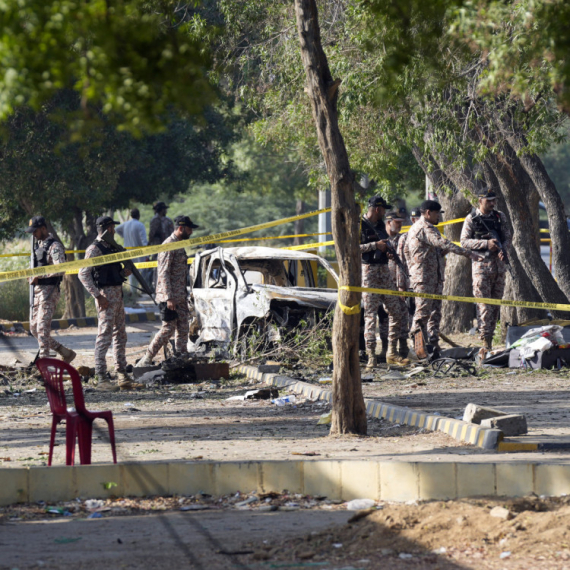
(172, 293)
(160, 228)
(399, 275)
(47, 251)
(105, 284)
(403, 276)
(426, 262)
(488, 273)
(376, 274)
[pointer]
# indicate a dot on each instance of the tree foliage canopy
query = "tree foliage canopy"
(131, 58)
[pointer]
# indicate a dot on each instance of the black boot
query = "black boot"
(403, 348)
(382, 355)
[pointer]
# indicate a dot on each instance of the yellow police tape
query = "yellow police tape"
(149, 250)
(484, 300)
(145, 248)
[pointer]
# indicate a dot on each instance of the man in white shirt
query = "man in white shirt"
(133, 233)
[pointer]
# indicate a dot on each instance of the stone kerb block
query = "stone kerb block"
(514, 424)
(475, 414)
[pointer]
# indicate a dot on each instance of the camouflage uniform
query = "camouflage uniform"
(488, 274)
(403, 279)
(172, 285)
(46, 298)
(426, 262)
(398, 277)
(377, 275)
(111, 326)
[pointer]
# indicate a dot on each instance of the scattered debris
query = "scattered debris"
(291, 399)
(393, 375)
(501, 513)
(325, 419)
(360, 504)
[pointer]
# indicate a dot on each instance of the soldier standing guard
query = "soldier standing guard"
(403, 274)
(48, 251)
(160, 228)
(105, 284)
(426, 262)
(376, 274)
(172, 293)
(488, 273)
(395, 220)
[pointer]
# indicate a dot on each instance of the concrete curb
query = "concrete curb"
(58, 324)
(341, 479)
(486, 438)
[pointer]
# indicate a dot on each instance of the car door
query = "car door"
(214, 294)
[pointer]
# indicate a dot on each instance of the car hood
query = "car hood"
(307, 296)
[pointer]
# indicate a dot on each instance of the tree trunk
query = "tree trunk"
(521, 287)
(514, 181)
(554, 208)
(349, 412)
(72, 287)
(456, 317)
(300, 224)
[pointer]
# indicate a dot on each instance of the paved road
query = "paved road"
(81, 340)
(169, 540)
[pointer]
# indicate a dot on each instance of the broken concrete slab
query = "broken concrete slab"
(501, 513)
(513, 424)
(475, 414)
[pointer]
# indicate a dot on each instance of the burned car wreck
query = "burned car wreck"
(266, 290)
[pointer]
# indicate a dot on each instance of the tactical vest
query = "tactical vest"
(107, 275)
(493, 223)
(369, 234)
(41, 260)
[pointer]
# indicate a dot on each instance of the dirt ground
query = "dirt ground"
(199, 422)
(445, 535)
(216, 533)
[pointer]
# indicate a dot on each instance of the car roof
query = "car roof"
(268, 253)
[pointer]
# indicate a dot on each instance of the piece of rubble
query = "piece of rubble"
(262, 394)
(269, 368)
(513, 424)
(475, 414)
(393, 375)
(501, 513)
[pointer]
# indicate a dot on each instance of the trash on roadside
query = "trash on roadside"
(248, 501)
(95, 515)
(262, 394)
(284, 400)
(360, 504)
(325, 419)
(415, 371)
(325, 380)
(93, 504)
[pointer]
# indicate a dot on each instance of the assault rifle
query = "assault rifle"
(390, 249)
(495, 236)
(128, 264)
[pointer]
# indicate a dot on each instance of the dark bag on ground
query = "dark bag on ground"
(166, 314)
(553, 358)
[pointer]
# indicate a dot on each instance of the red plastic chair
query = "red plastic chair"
(49, 367)
(53, 382)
